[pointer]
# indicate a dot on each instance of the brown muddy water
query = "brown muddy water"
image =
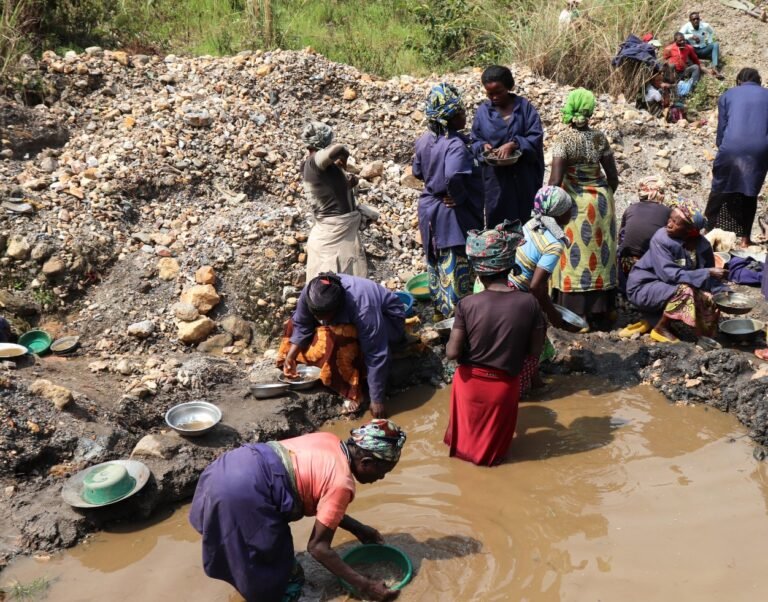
(607, 495)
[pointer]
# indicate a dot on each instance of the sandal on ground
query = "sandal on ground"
(762, 354)
(641, 327)
(660, 338)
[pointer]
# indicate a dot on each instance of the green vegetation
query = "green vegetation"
(27, 592)
(385, 37)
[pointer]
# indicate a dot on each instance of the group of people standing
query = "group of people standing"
(470, 184)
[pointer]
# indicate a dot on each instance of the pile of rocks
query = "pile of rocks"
(172, 163)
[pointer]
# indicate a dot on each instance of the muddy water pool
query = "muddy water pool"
(606, 495)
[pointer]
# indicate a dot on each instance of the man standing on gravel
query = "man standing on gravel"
(701, 37)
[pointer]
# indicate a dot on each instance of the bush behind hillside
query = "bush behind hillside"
(383, 37)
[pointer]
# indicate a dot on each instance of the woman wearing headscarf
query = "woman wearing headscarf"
(247, 497)
(334, 242)
(451, 202)
(504, 124)
(536, 259)
(583, 165)
(493, 332)
(639, 223)
(345, 325)
(677, 277)
(741, 164)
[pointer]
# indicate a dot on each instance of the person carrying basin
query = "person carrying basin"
(451, 202)
(493, 332)
(583, 165)
(677, 276)
(247, 497)
(345, 325)
(334, 242)
(503, 125)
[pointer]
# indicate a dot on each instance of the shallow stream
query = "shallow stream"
(607, 495)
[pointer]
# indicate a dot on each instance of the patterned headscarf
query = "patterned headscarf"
(443, 102)
(550, 202)
(579, 106)
(692, 215)
(493, 251)
(317, 134)
(651, 189)
(382, 438)
(325, 294)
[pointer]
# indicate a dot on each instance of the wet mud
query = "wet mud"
(607, 493)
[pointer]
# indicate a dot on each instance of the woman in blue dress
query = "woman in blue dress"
(503, 124)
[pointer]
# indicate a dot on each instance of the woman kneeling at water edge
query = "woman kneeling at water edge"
(493, 332)
(246, 499)
(345, 325)
(677, 276)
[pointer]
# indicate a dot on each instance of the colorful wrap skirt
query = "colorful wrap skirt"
(588, 267)
(693, 307)
(450, 279)
(483, 414)
(336, 351)
(242, 506)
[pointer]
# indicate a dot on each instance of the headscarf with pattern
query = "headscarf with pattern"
(578, 107)
(443, 102)
(493, 251)
(692, 215)
(651, 189)
(550, 202)
(381, 438)
(317, 134)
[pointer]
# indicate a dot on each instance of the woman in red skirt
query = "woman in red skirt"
(494, 331)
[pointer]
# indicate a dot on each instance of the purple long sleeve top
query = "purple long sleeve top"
(379, 317)
(509, 191)
(665, 266)
(447, 167)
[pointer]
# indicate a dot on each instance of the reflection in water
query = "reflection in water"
(605, 495)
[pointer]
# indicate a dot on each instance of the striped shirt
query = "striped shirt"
(540, 250)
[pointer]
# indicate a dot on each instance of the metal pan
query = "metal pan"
(308, 378)
(742, 330)
(734, 303)
(572, 319)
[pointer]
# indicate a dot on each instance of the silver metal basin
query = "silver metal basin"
(193, 418)
(269, 390)
(308, 377)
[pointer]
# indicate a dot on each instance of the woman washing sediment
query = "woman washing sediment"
(451, 202)
(334, 243)
(346, 326)
(583, 165)
(537, 257)
(494, 331)
(677, 276)
(504, 124)
(247, 497)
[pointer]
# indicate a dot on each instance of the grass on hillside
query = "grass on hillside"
(384, 37)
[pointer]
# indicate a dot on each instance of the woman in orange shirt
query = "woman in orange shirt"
(246, 499)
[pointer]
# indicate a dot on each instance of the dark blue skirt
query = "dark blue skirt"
(242, 507)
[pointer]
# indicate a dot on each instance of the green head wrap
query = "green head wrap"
(579, 105)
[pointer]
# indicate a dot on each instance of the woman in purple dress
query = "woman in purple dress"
(503, 124)
(677, 276)
(741, 164)
(247, 498)
(451, 202)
